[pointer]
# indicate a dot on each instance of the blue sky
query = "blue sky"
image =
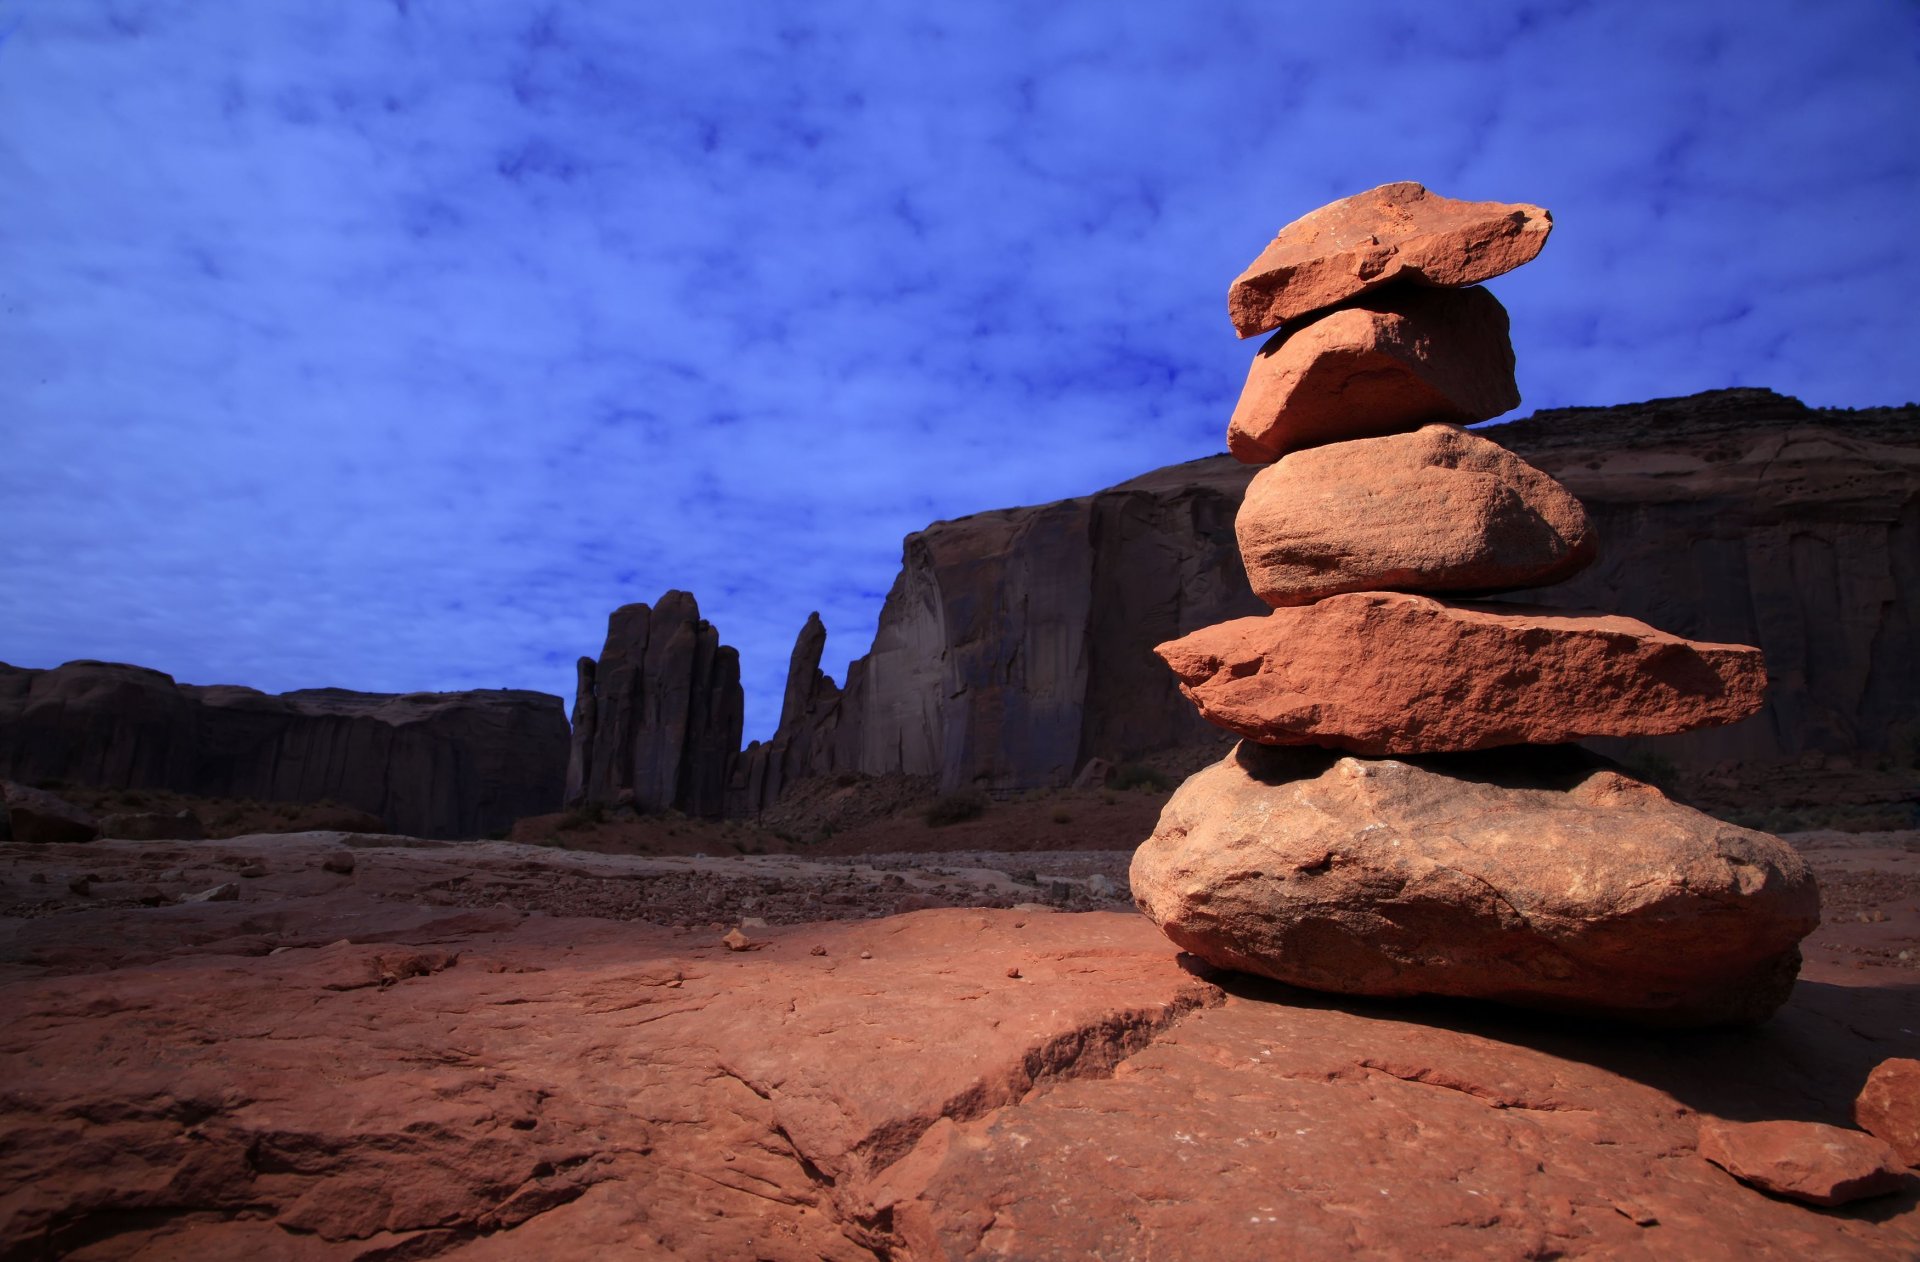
(392, 345)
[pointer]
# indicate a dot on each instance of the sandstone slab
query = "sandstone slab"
(1536, 877)
(1394, 361)
(331, 1070)
(1440, 509)
(1889, 1106)
(1395, 673)
(1393, 232)
(1805, 1161)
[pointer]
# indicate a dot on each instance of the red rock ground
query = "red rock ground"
(496, 1050)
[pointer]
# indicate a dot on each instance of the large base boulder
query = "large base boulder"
(1540, 877)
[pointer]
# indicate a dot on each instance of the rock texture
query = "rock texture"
(396, 1065)
(36, 816)
(1743, 516)
(1889, 1106)
(1735, 516)
(1404, 357)
(1804, 1161)
(1396, 232)
(453, 764)
(802, 745)
(1538, 878)
(1396, 673)
(658, 717)
(1016, 645)
(1440, 509)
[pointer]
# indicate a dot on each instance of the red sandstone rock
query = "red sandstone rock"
(1393, 232)
(1805, 1161)
(1440, 509)
(36, 816)
(1889, 1106)
(1393, 673)
(1400, 358)
(1532, 877)
(234, 1080)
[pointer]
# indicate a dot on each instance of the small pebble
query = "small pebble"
(866, 955)
(1013, 972)
(819, 950)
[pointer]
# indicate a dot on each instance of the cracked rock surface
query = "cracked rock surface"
(334, 1066)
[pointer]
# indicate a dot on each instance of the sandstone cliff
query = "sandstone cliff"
(657, 720)
(1016, 644)
(1744, 516)
(456, 764)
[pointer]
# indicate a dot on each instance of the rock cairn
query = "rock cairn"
(1403, 814)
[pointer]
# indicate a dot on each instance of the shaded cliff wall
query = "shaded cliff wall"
(1744, 516)
(657, 719)
(1017, 644)
(458, 764)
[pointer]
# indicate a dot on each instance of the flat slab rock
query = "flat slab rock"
(1396, 673)
(1437, 510)
(1541, 878)
(1393, 232)
(1804, 1161)
(1395, 360)
(335, 1069)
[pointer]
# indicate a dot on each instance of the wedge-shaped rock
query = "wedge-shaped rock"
(1436, 510)
(1394, 232)
(1393, 673)
(1804, 1161)
(1399, 359)
(1541, 878)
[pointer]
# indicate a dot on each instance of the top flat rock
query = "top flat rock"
(1394, 232)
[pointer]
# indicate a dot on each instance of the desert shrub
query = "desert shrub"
(585, 815)
(1062, 816)
(1137, 775)
(1904, 744)
(955, 808)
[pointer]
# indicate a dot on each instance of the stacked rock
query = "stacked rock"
(1460, 846)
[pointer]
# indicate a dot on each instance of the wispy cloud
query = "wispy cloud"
(393, 345)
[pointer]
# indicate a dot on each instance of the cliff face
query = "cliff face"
(657, 719)
(458, 764)
(1744, 516)
(1016, 644)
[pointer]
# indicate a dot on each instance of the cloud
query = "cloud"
(394, 346)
